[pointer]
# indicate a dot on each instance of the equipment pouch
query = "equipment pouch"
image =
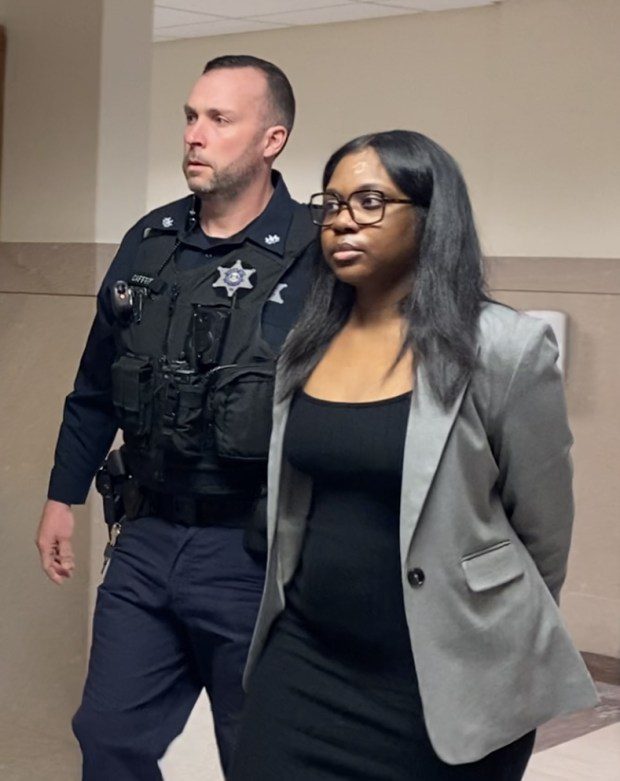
(183, 415)
(132, 393)
(240, 406)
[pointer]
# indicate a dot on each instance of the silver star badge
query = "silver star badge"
(234, 278)
(167, 222)
(276, 296)
(273, 238)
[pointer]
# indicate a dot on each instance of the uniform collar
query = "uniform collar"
(268, 230)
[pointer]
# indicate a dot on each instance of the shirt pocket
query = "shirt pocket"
(492, 567)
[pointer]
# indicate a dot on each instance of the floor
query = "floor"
(583, 746)
(591, 757)
(579, 747)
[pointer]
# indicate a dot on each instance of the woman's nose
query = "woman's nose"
(343, 221)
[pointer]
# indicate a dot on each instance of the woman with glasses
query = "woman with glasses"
(420, 501)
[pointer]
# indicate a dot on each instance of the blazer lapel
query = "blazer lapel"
(274, 469)
(428, 428)
(289, 497)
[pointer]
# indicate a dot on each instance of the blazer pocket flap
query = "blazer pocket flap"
(492, 567)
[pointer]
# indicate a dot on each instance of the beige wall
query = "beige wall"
(50, 120)
(43, 629)
(76, 109)
(122, 153)
(50, 140)
(522, 93)
(74, 173)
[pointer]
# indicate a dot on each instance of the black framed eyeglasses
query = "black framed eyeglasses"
(366, 207)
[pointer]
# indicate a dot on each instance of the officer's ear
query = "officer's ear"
(276, 137)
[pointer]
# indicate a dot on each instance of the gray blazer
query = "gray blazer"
(485, 526)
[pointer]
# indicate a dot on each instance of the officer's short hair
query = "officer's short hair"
(279, 87)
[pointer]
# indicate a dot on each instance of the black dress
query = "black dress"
(334, 695)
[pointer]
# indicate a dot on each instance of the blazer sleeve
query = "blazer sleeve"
(532, 447)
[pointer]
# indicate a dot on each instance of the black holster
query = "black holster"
(109, 482)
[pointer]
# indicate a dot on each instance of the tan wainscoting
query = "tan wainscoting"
(558, 275)
(46, 307)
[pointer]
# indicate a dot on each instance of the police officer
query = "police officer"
(190, 317)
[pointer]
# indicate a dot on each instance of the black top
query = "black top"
(334, 695)
(347, 589)
(89, 422)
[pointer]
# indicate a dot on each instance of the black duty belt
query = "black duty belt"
(232, 512)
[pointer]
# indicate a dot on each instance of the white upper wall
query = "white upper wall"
(51, 101)
(523, 94)
(124, 117)
(77, 108)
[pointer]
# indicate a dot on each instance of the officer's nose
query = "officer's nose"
(193, 135)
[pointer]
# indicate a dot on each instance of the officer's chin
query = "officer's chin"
(199, 188)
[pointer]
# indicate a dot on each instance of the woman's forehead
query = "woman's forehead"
(362, 164)
(362, 170)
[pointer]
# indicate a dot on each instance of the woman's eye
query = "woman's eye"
(331, 207)
(371, 202)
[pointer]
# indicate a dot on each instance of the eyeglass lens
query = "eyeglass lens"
(366, 207)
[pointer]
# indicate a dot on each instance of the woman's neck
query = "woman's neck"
(373, 309)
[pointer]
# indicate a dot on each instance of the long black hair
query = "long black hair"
(448, 286)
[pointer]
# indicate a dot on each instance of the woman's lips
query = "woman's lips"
(345, 252)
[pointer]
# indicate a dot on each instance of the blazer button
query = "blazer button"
(416, 577)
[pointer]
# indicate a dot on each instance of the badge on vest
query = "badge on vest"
(234, 278)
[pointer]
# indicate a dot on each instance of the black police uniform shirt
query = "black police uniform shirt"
(89, 422)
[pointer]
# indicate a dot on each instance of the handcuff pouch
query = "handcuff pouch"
(132, 392)
(183, 423)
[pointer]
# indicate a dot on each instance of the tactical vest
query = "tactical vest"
(192, 384)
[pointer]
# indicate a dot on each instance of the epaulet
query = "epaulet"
(168, 219)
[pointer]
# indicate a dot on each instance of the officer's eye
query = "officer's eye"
(189, 118)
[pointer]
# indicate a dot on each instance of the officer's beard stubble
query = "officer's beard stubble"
(224, 183)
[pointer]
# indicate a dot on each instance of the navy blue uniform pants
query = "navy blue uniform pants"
(175, 613)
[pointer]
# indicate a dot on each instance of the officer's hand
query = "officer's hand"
(54, 541)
